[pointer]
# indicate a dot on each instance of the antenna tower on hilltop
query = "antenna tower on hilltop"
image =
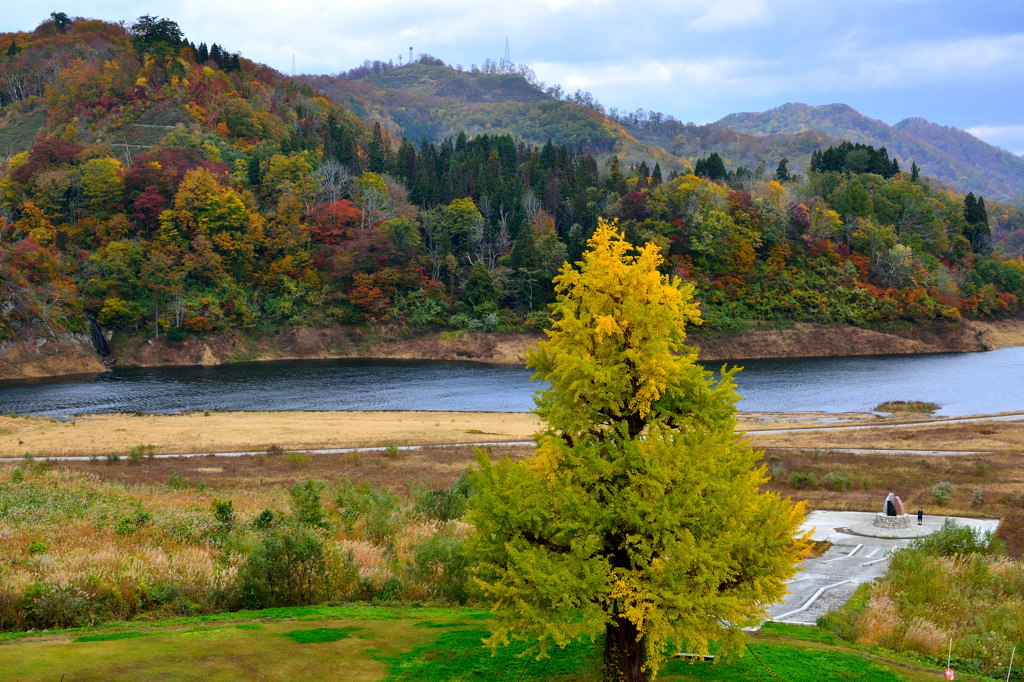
(410, 55)
(293, 65)
(506, 61)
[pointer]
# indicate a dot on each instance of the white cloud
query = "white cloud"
(715, 73)
(1009, 137)
(931, 61)
(725, 15)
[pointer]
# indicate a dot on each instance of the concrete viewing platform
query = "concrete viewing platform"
(884, 526)
(823, 584)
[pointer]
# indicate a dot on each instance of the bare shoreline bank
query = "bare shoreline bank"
(74, 355)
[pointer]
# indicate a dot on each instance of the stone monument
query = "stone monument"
(892, 515)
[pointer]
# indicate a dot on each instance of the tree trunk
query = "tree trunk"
(623, 652)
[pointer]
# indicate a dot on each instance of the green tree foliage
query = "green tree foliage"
(157, 36)
(711, 167)
(61, 20)
(977, 232)
(639, 517)
(102, 184)
(854, 158)
(782, 171)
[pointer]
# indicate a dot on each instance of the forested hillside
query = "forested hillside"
(163, 189)
(430, 100)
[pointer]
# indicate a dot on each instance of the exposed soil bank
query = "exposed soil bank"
(805, 340)
(70, 354)
(74, 355)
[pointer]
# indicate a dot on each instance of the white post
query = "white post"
(1010, 669)
(949, 656)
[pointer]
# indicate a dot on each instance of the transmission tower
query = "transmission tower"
(410, 55)
(506, 61)
(293, 65)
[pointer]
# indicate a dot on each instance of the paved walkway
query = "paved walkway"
(824, 584)
(938, 421)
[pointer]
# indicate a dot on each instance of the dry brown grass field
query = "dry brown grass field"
(202, 432)
(400, 472)
(988, 485)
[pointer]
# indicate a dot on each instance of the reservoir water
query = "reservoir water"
(962, 384)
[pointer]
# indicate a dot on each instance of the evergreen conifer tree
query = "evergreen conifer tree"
(639, 517)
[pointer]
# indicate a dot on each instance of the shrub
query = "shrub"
(287, 568)
(800, 479)
(36, 547)
(17, 476)
(264, 520)
(128, 525)
(447, 504)
(136, 454)
(298, 459)
(956, 540)
(392, 451)
(977, 497)
(224, 512)
(177, 481)
(942, 492)
(56, 606)
(305, 503)
(837, 480)
(380, 510)
(379, 593)
(440, 564)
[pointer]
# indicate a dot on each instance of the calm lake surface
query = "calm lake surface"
(969, 383)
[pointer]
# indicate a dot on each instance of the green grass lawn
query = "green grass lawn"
(388, 643)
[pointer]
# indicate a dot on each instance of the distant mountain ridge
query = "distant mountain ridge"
(431, 100)
(943, 152)
(434, 101)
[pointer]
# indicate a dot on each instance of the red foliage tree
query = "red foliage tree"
(332, 223)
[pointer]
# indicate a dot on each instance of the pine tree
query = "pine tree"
(616, 183)
(782, 172)
(712, 167)
(656, 175)
(639, 516)
(915, 172)
(375, 151)
(978, 232)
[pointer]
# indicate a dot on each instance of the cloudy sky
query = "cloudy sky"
(953, 62)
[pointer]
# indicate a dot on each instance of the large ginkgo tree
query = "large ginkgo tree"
(639, 521)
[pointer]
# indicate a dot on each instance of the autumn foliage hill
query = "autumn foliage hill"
(158, 188)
